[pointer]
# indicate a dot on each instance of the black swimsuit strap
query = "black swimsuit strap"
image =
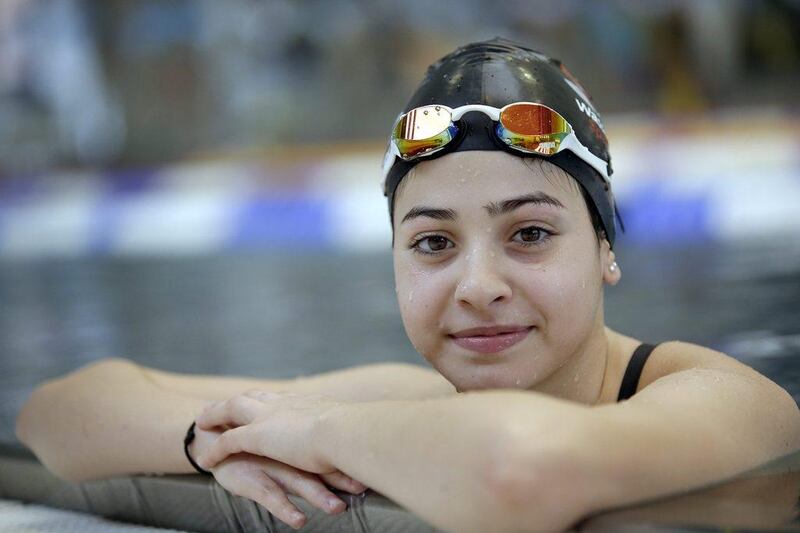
(630, 381)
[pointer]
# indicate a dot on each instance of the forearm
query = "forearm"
(371, 382)
(449, 460)
(106, 420)
(115, 417)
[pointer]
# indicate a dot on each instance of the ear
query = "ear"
(608, 262)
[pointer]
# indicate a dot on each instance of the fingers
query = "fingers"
(307, 486)
(237, 411)
(268, 482)
(269, 495)
(343, 482)
(232, 441)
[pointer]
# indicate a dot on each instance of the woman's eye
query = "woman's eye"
(531, 235)
(432, 244)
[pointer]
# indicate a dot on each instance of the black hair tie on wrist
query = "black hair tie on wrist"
(186, 442)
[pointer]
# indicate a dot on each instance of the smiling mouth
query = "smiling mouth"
(490, 340)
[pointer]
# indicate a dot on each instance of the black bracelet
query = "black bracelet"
(186, 442)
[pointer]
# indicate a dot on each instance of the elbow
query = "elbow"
(32, 428)
(44, 423)
(31, 417)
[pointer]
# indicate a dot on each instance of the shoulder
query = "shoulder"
(677, 356)
(722, 392)
(669, 358)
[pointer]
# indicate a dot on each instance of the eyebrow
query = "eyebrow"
(536, 198)
(493, 208)
(430, 212)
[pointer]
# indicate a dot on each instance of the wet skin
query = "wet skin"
(485, 239)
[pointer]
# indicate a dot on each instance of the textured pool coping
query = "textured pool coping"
(763, 499)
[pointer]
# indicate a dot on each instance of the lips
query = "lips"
(492, 339)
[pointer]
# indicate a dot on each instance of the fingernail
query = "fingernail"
(298, 517)
(335, 503)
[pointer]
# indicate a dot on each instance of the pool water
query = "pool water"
(283, 315)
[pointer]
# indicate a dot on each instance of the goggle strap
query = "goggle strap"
(619, 217)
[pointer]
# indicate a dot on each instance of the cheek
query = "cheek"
(566, 293)
(421, 296)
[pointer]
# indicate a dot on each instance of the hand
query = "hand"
(267, 482)
(281, 426)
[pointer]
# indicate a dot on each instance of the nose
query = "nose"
(481, 284)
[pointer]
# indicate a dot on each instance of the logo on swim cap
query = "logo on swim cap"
(584, 104)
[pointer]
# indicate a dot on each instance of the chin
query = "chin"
(488, 379)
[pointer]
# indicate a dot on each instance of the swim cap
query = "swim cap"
(499, 72)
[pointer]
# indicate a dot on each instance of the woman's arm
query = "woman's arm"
(511, 460)
(455, 461)
(448, 460)
(688, 429)
(376, 381)
(115, 417)
(107, 419)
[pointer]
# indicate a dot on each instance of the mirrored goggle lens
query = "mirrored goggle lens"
(533, 128)
(423, 130)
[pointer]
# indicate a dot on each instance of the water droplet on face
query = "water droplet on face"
(410, 295)
(518, 382)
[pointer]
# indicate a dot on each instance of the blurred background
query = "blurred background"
(195, 185)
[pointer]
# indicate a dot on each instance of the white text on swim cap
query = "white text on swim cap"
(586, 108)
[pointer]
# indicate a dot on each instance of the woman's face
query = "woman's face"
(498, 269)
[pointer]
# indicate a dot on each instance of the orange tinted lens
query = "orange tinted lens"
(532, 128)
(533, 119)
(423, 130)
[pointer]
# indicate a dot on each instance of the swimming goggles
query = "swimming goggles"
(526, 127)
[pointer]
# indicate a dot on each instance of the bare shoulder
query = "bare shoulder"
(677, 356)
(721, 394)
(673, 357)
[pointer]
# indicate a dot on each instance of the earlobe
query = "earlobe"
(611, 269)
(613, 274)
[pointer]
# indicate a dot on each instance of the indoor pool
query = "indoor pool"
(281, 316)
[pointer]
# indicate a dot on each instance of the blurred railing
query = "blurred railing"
(724, 178)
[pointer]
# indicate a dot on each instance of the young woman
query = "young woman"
(497, 177)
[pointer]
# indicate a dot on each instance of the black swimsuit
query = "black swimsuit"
(630, 381)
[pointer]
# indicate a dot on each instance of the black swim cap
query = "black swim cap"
(499, 72)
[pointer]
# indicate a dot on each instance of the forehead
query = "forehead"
(476, 177)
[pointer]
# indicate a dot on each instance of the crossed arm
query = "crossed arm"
(114, 417)
(510, 460)
(501, 460)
